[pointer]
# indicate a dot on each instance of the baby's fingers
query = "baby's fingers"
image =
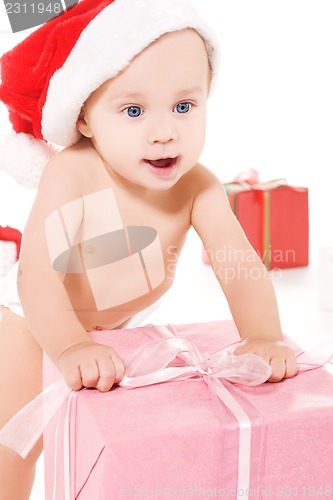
(278, 365)
(89, 373)
(283, 367)
(107, 374)
(291, 366)
(119, 367)
(111, 371)
(73, 379)
(91, 365)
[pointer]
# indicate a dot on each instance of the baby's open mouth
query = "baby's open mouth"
(162, 163)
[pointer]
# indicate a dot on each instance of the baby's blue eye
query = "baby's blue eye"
(133, 111)
(182, 107)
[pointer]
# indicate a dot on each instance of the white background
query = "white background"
(273, 111)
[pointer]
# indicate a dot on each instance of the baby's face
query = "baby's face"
(148, 123)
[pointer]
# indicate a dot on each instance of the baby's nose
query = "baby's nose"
(162, 131)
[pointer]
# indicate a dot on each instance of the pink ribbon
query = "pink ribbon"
(166, 359)
(149, 364)
(249, 179)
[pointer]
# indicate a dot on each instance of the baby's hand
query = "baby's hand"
(90, 364)
(275, 352)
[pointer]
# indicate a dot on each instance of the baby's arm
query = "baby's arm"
(242, 276)
(45, 302)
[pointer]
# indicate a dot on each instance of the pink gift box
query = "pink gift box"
(177, 439)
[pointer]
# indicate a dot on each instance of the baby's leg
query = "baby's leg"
(20, 382)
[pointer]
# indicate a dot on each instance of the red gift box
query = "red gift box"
(274, 217)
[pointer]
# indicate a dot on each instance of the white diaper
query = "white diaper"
(8, 291)
(9, 298)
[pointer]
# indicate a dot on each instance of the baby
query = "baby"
(123, 86)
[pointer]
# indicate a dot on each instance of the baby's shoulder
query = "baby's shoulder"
(68, 172)
(198, 179)
(65, 165)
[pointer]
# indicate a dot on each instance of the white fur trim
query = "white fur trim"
(105, 47)
(23, 157)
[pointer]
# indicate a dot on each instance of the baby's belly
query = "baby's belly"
(112, 276)
(84, 304)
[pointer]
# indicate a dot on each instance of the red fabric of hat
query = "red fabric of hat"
(26, 70)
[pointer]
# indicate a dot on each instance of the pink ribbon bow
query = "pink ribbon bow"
(150, 364)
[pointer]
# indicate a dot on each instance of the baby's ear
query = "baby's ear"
(82, 124)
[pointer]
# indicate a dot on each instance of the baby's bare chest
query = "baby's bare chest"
(113, 227)
(124, 248)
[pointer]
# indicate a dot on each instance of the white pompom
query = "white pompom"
(23, 157)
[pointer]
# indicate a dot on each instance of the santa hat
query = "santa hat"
(48, 76)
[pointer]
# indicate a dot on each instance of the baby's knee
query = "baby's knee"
(11, 460)
(20, 366)
(17, 474)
